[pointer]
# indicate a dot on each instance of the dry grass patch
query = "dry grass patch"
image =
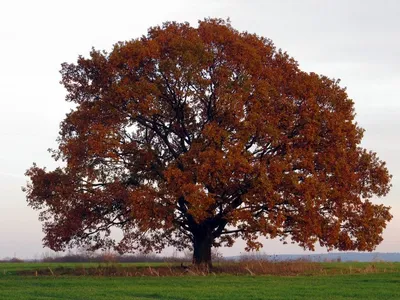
(245, 267)
(265, 267)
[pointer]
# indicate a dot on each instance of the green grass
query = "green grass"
(382, 282)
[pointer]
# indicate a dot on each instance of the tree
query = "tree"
(193, 137)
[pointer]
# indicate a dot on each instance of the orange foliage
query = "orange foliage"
(197, 136)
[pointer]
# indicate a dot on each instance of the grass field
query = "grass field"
(334, 281)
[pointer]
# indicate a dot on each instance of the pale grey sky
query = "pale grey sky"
(354, 40)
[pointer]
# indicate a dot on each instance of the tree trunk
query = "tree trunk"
(202, 250)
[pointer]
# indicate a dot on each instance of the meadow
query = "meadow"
(307, 281)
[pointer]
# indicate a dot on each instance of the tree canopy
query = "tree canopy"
(194, 137)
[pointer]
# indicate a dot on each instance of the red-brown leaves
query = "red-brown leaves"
(209, 132)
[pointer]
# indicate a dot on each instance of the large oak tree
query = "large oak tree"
(193, 137)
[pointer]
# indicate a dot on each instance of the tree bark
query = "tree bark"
(202, 243)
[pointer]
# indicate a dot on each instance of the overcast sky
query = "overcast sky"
(354, 40)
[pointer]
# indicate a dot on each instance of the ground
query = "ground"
(327, 281)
